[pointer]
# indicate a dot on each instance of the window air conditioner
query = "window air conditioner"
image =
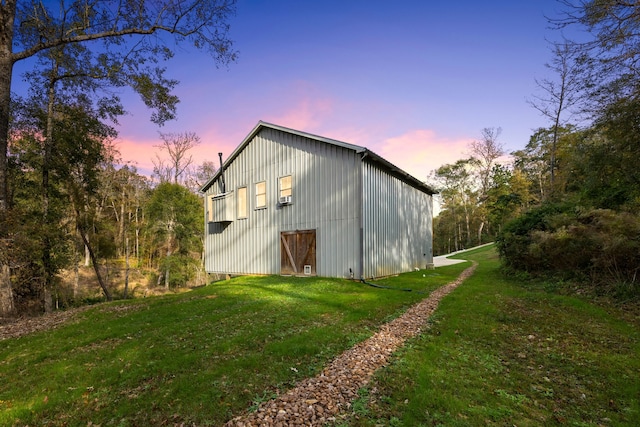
(285, 200)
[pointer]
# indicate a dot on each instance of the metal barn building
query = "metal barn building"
(288, 202)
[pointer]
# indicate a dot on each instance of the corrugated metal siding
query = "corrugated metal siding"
(326, 182)
(397, 225)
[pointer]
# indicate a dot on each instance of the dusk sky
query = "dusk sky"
(413, 80)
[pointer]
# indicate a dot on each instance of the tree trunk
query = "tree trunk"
(96, 267)
(7, 16)
(126, 266)
(76, 279)
(6, 292)
(480, 232)
(166, 274)
(121, 225)
(87, 257)
(46, 220)
(467, 221)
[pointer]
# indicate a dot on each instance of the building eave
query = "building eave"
(365, 154)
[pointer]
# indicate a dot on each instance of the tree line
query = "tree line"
(566, 205)
(63, 192)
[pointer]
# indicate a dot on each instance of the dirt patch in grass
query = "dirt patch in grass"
(17, 327)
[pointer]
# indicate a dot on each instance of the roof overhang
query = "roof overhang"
(365, 154)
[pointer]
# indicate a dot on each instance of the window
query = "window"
(285, 186)
(261, 195)
(242, 202)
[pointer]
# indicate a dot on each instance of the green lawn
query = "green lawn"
(497, 353)
(198, 357)
(502, 354)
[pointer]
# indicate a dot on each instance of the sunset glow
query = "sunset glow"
(413, 81)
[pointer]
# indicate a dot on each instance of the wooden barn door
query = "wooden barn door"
(298, 252)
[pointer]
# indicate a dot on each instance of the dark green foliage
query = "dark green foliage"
(605, 168)
(588, 229)
(174, 217)
(597, 246)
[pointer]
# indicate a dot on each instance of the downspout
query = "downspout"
(362, 211)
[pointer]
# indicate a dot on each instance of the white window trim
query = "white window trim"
(264, 206)
(246, 202)
(280, 189)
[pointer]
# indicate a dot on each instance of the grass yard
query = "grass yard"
(500, 353)
(198, 357)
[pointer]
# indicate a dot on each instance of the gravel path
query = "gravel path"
(317, 401)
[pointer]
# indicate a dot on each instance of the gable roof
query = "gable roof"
(365, 153)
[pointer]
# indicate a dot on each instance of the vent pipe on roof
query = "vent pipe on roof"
(224, 187)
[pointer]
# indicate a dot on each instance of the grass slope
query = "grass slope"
(499, 353)
(199, 357)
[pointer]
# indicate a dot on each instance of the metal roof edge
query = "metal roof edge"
(410, 179)
(407, 177)
(261, 125)
(233, 155)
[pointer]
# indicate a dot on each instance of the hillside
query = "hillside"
(496, 353)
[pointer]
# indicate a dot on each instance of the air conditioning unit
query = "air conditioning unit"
(285, 200)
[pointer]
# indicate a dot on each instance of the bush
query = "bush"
(515, 243)
(597, 246)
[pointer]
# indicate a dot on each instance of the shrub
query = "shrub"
(598, 246)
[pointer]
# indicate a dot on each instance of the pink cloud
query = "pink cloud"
(420, 151)
(138, 152)
(303, 109)
(142, 152)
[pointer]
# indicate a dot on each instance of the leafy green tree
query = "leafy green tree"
(82, 47)
(507, 197)
(125, 49)
(485, 152)
(46, 208)
(458, 191)
(533, 161)
(604, 170)
(174, 224)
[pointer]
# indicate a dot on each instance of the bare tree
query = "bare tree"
(177, 146)
(161, 170)
(486, 151)
(560, 94)
(199, 175)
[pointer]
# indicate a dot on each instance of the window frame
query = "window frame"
(263, 194)
(282, 190)
(240, 205)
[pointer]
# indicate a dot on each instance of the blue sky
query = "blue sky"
(414, 81)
